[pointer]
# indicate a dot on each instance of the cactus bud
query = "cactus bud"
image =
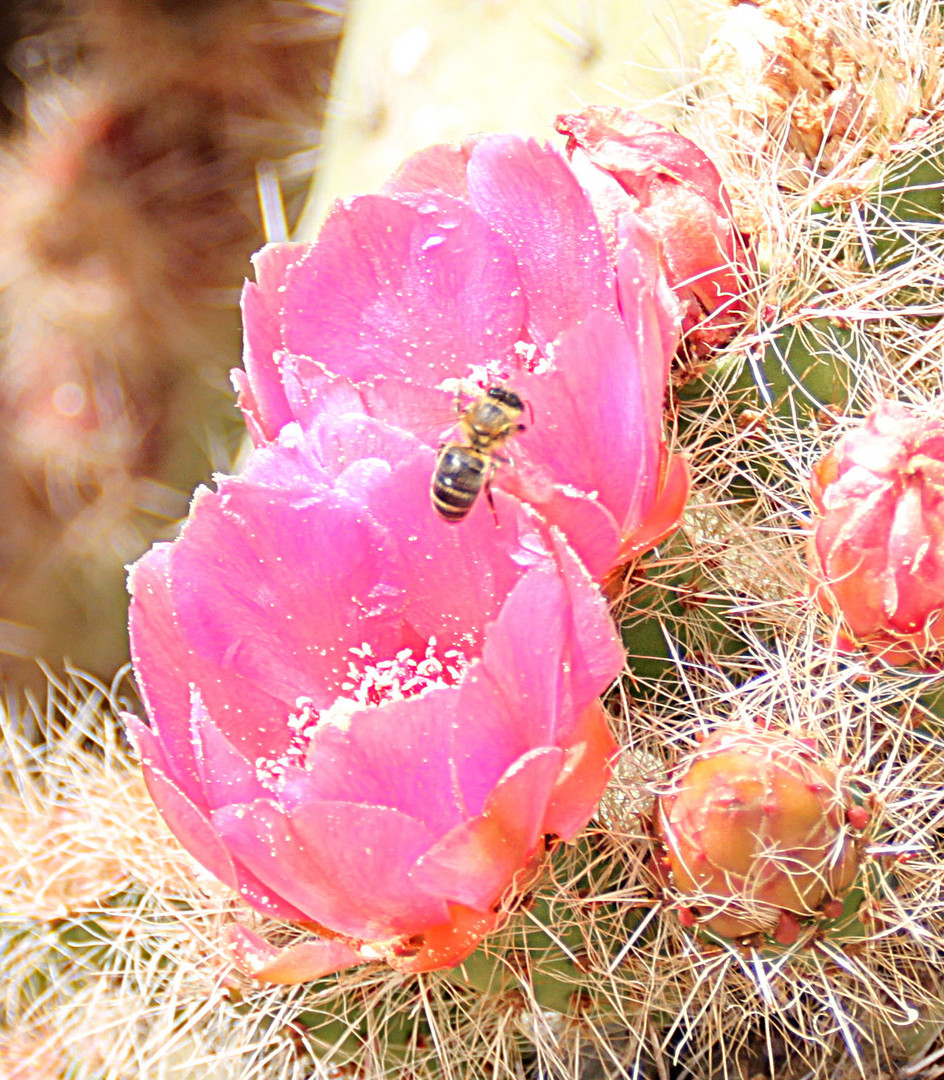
(753, 823)
(629, 164)
(876, 554)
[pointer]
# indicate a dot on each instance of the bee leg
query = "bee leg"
(488, 496)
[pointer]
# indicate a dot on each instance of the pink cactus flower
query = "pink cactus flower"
(363, 719)
(478, 266)
(635, 166)
(876, 552)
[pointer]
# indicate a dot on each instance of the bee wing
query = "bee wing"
(426, 412)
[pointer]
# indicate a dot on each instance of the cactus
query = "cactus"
(826, 966)
(672, 614)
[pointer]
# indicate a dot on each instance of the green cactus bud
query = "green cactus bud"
(758, 833)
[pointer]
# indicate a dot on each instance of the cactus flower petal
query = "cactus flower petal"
(312, 959)
(339, 863)
(262, 394)
(191, 824)
(664, 513)
(477, 859)
(634, 166)
(442, 168)
(432, 287)
(586, 772)
(528, 193)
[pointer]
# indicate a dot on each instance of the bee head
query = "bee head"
(506, 397)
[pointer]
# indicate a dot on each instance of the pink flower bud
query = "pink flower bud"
(876, 553)
(630, 165)
(753, 824)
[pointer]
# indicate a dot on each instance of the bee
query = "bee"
(463, 469)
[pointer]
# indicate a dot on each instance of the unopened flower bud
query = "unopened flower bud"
(630, 165)
(876, 553)
(753, 824)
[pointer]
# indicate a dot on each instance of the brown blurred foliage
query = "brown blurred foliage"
(128, 210)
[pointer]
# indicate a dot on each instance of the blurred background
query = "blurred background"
(147, 148)
(134, 131)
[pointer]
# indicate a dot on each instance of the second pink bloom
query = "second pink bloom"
(484, 265)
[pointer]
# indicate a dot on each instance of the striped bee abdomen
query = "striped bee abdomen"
(464, 468)
(457, 481)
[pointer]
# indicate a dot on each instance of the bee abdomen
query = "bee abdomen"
(460, 474)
